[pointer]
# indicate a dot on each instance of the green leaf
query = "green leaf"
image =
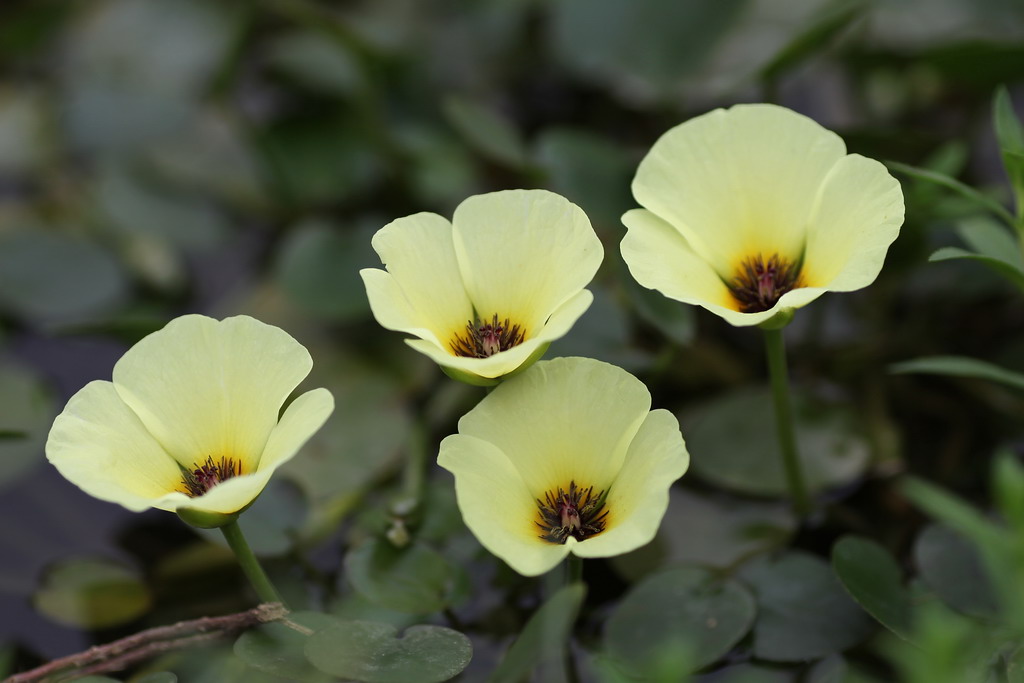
(954, 511)
(279, 649)
(487, 131)
(1007, 483)
(832, 669)
(370, 652)
(590, 170)
(24, 144)
(733, 444)
(26, 412)
(360, 444)
(950, 566)
(1002, 266)
(682, 617)
(92, 594)
(602, 334)
(320, 157)
(54, 278)
(316, 61)
(677, 321)
(1010, 135)
(140, 210)
(872, 577)
(991, 238)
(543, 638)
(318, 268)
(802, 610)
(644, 48)
(959, 366)
(708, 530)
(413, 579)
(833, 19)
(955, 185)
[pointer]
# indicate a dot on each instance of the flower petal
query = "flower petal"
(301, 420)
(638, 499)
(422, 289)
(501, 364)
(738, 182)
(207, 388)
(523, 253)
(226, 497)
(795, 298)
(858, 215)
(659, 257)
(102, 447)
(568, 419)
(496, 505)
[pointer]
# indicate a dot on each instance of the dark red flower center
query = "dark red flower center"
(202, 478)
(759, 284)
(484, 339)
(576, 512)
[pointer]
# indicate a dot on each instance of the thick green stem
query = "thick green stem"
(776, 350)
(250, 565)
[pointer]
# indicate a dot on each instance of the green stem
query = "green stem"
(776, 350)
(573, 569)
(250, 565)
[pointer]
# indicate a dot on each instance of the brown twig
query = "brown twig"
(121, 653)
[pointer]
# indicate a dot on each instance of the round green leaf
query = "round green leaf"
(950, 566)
(278, 649)
(734, 445)
(370, 652)
(413, 579)
(361, 442)
(51, 277)
(832, 669)
(713, 531)
(872, 577)
(803, 611)
(679, 610)
(318, 268)
(92, 594)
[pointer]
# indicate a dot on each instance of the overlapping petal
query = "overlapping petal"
(569, 420)
(197, 389)
(757, 181)
(204, 387)
(522, 255)
(421, 292)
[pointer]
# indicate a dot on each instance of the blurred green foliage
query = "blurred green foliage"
(159, 157)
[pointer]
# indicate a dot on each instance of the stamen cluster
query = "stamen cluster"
(484, 339)
(204, 477)
(759, 284)
(577, 513)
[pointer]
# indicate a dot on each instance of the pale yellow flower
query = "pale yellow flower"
(754, 211)
(190, 422)
(565, 458)
(486, 293)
